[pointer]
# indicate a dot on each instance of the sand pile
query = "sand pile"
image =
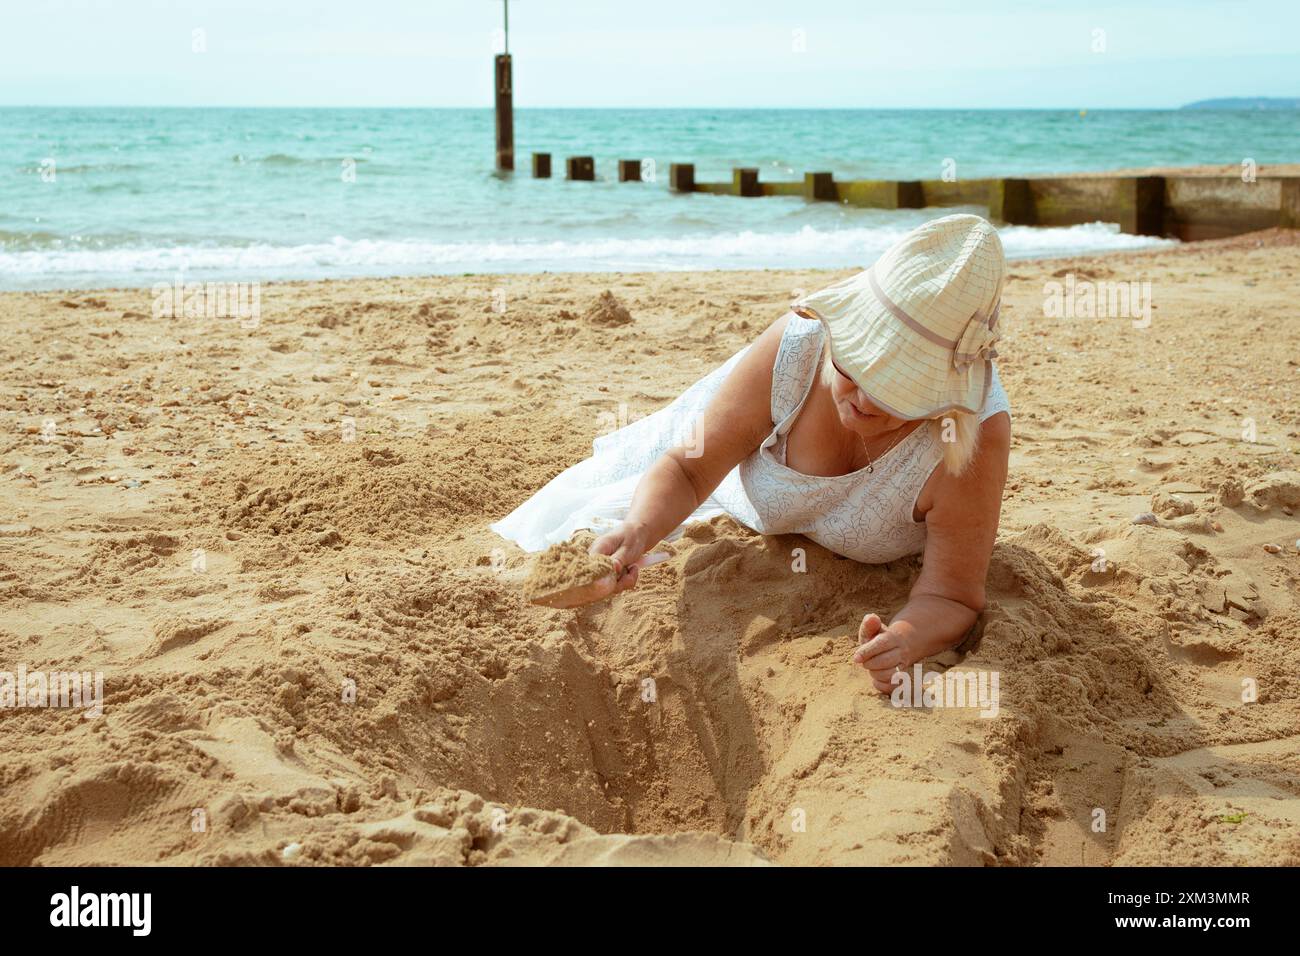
(607, 312)
(315, 652)
(563, 566)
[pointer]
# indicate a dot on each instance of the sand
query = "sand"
(562, 567)
(273, 544)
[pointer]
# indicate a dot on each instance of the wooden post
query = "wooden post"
(1148, 207)
(1289, 204)
(1012, 202)
(505, 113)
(581, 168)
(744, 182)
(629, 170)
(910, 195)
(681, 177)
(541, 165)
(819, 186)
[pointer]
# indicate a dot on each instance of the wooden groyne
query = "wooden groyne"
(1185, 207)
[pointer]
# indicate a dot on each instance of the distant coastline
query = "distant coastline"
(1246, 103)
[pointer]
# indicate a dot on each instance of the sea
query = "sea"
(98, 197)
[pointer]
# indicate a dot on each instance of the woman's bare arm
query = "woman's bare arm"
(734, 423)
(949, 592)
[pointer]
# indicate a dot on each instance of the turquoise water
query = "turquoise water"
(142, 195)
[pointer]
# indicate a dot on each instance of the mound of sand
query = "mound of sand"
(315, 651)
(564, 566)
(607, 312)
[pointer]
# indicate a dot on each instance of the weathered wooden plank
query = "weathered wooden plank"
(1289, 203)
(1205, 207)
(880, 193)
(963, 192)
(581, 168)
(681, 177)
(819, 187)
(744, 181)
(1067, 201)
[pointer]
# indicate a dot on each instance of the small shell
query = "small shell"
(1273, 549)
(1146, 517)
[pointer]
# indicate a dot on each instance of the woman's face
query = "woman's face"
(857, 412)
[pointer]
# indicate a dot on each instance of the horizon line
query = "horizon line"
(489, 107)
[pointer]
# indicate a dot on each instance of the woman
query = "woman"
(870, 419)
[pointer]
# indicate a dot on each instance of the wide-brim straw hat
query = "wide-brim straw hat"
(916, 331)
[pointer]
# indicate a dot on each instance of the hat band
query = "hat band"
(897, 311)
(960, 359)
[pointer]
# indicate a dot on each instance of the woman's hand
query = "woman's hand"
(734, 423)
(882, 651)
(626, 544)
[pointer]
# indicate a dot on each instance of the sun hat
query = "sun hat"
(916, 330)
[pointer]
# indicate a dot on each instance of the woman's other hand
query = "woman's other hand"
(882, 651)
(626, 544)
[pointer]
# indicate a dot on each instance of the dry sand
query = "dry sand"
(198, 529)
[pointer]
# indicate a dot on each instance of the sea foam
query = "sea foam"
(806, 247)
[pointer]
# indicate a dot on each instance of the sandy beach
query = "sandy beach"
(273, 543)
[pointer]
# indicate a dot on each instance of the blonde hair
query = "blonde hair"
(956, 433)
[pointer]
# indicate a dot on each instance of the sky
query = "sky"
(632, 53)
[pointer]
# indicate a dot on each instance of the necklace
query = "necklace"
(871, 463)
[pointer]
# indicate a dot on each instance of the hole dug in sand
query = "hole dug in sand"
(718, 697)
(683, 706)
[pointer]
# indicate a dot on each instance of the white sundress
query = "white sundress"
(866, 516)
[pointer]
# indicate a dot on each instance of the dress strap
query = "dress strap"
(798, 360)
